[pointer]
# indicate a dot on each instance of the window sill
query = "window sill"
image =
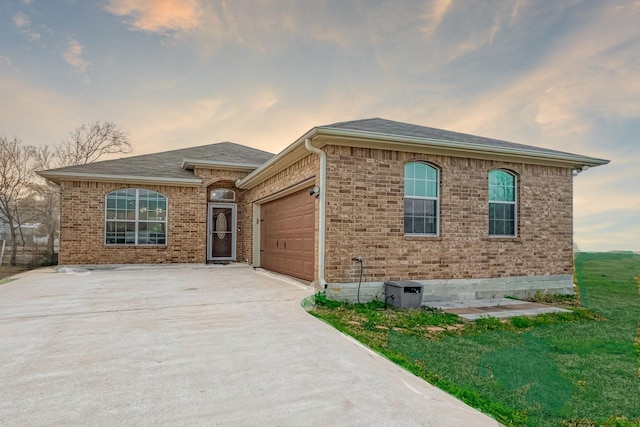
(502, 239)
(422, 237)
(120, 246)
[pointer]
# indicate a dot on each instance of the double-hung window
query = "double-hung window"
(421, 188)
(502, 203)
(135, 217)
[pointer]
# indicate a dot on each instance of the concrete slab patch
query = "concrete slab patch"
(498, 308)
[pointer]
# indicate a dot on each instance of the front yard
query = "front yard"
(576, 369)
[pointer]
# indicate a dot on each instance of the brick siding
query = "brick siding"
(365, 216)
(82, 208)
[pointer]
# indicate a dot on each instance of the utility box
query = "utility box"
(403, 294)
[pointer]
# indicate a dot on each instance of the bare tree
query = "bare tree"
(16, 173)
(48, 196)
(89, 143)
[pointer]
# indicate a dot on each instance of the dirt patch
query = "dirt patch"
(8, 271)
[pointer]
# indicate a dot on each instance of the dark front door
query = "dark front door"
(221, 239)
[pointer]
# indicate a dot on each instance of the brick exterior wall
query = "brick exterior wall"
(82, 222)
(82, 208)
(83, 217)
(365, 216)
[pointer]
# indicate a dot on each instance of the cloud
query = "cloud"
(73, 57)
(588, 76)
(207, 119)
(20, 20)
(248, 113)
(158, 16)
(23, 24)
(266, 26)
(6, 60)
(434, 14)
(453, 32)
(595, 71)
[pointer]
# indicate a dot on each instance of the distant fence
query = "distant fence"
(31, 255)
(32, 246)
(30, 232)
(3, 244)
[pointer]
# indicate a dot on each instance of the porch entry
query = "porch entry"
(221, 236)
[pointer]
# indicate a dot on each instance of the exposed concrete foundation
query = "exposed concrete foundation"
(461, 289)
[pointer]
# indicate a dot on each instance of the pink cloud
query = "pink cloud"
(158, 16)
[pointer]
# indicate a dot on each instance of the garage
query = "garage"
(287, 235)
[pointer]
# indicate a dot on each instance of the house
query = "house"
(464, 215)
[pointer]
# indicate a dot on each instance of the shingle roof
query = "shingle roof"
(168, 164)
(399, 129)
(381, 132)
(173, 166)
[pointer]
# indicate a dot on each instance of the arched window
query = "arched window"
(222, 195)
(502, 203)
(135, 217)
(421, 189)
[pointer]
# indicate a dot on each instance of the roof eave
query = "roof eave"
(58, 177)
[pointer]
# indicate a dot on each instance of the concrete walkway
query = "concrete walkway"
(500, 308)
(194, 346)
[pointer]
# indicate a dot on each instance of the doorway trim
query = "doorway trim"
(234, 230)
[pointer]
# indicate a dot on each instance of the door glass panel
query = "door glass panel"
(221, 225)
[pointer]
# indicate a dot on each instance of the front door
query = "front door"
(221, 238)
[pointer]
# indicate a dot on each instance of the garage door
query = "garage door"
(287, 235)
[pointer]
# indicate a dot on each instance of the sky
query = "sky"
(562, 74)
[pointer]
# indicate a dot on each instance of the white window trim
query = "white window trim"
(515, 209)
(136, 221)
(437, 199)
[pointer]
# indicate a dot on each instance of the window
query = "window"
(421, 182)
(136, 217)
(222, 195)
(502, 203)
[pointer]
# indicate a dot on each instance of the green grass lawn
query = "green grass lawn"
(581, 369)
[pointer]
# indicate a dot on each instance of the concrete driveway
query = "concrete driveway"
(194, 345)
